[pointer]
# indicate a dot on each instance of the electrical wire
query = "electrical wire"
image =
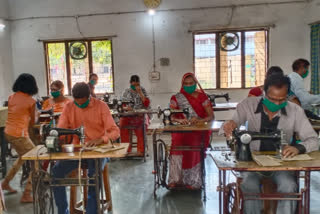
(162, 10)
(80, 182)
(78, 26)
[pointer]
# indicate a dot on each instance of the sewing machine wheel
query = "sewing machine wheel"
(232, 197)
(43, 196)
(162, 162)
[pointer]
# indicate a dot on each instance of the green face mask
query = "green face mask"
(133, 87)
(55, 94)
(272, 106)
(190, 89)
(305, 74)
(84, 105)
(92, 82)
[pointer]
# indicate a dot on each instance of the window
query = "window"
(95, 57)
(239, 62)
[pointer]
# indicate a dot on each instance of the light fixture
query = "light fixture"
(151, 12)
(2, 25)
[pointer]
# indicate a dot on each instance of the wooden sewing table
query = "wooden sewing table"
(40, 153)
(225, 162)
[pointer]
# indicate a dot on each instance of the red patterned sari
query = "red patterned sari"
(185, 166)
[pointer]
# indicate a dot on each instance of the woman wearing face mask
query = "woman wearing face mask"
(93, 81)
(58, 99)
(185, 166)
(139, 96)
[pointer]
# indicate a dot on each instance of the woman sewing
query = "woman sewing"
(21, 116)
(185, 166)
(58, 99)
(139, 96)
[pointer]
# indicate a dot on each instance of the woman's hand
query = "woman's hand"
(182, 121)
(228, 127)
(195, 120)
(138, 89)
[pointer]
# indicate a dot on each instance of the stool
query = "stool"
(74, 206)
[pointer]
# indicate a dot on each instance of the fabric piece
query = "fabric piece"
(96, 119)
(20, 107)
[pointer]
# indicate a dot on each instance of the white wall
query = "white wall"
(6, 74)
(133, 46)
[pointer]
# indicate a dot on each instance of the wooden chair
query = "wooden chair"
(75, 206)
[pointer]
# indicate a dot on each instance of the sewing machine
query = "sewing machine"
(120, 104)
(213, 97)
(50, 115)
(106, 97)
(117, 104)
(52, 141)
(167, 113)
(241, 140)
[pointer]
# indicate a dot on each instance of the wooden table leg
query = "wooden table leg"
(107, 188)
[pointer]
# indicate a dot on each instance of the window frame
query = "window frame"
(89, 49)
(242, 39)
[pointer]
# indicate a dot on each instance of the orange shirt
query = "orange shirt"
(57, 107)
(96, 119)
(20, 107)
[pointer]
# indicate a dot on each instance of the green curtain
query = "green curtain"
(315, 60)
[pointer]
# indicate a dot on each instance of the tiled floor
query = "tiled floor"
(132, 191)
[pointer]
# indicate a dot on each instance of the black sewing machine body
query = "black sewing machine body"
(213, 97)
(117, 104)
(241, 141)
(52, 141)
(167, 113)
(106, 98)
